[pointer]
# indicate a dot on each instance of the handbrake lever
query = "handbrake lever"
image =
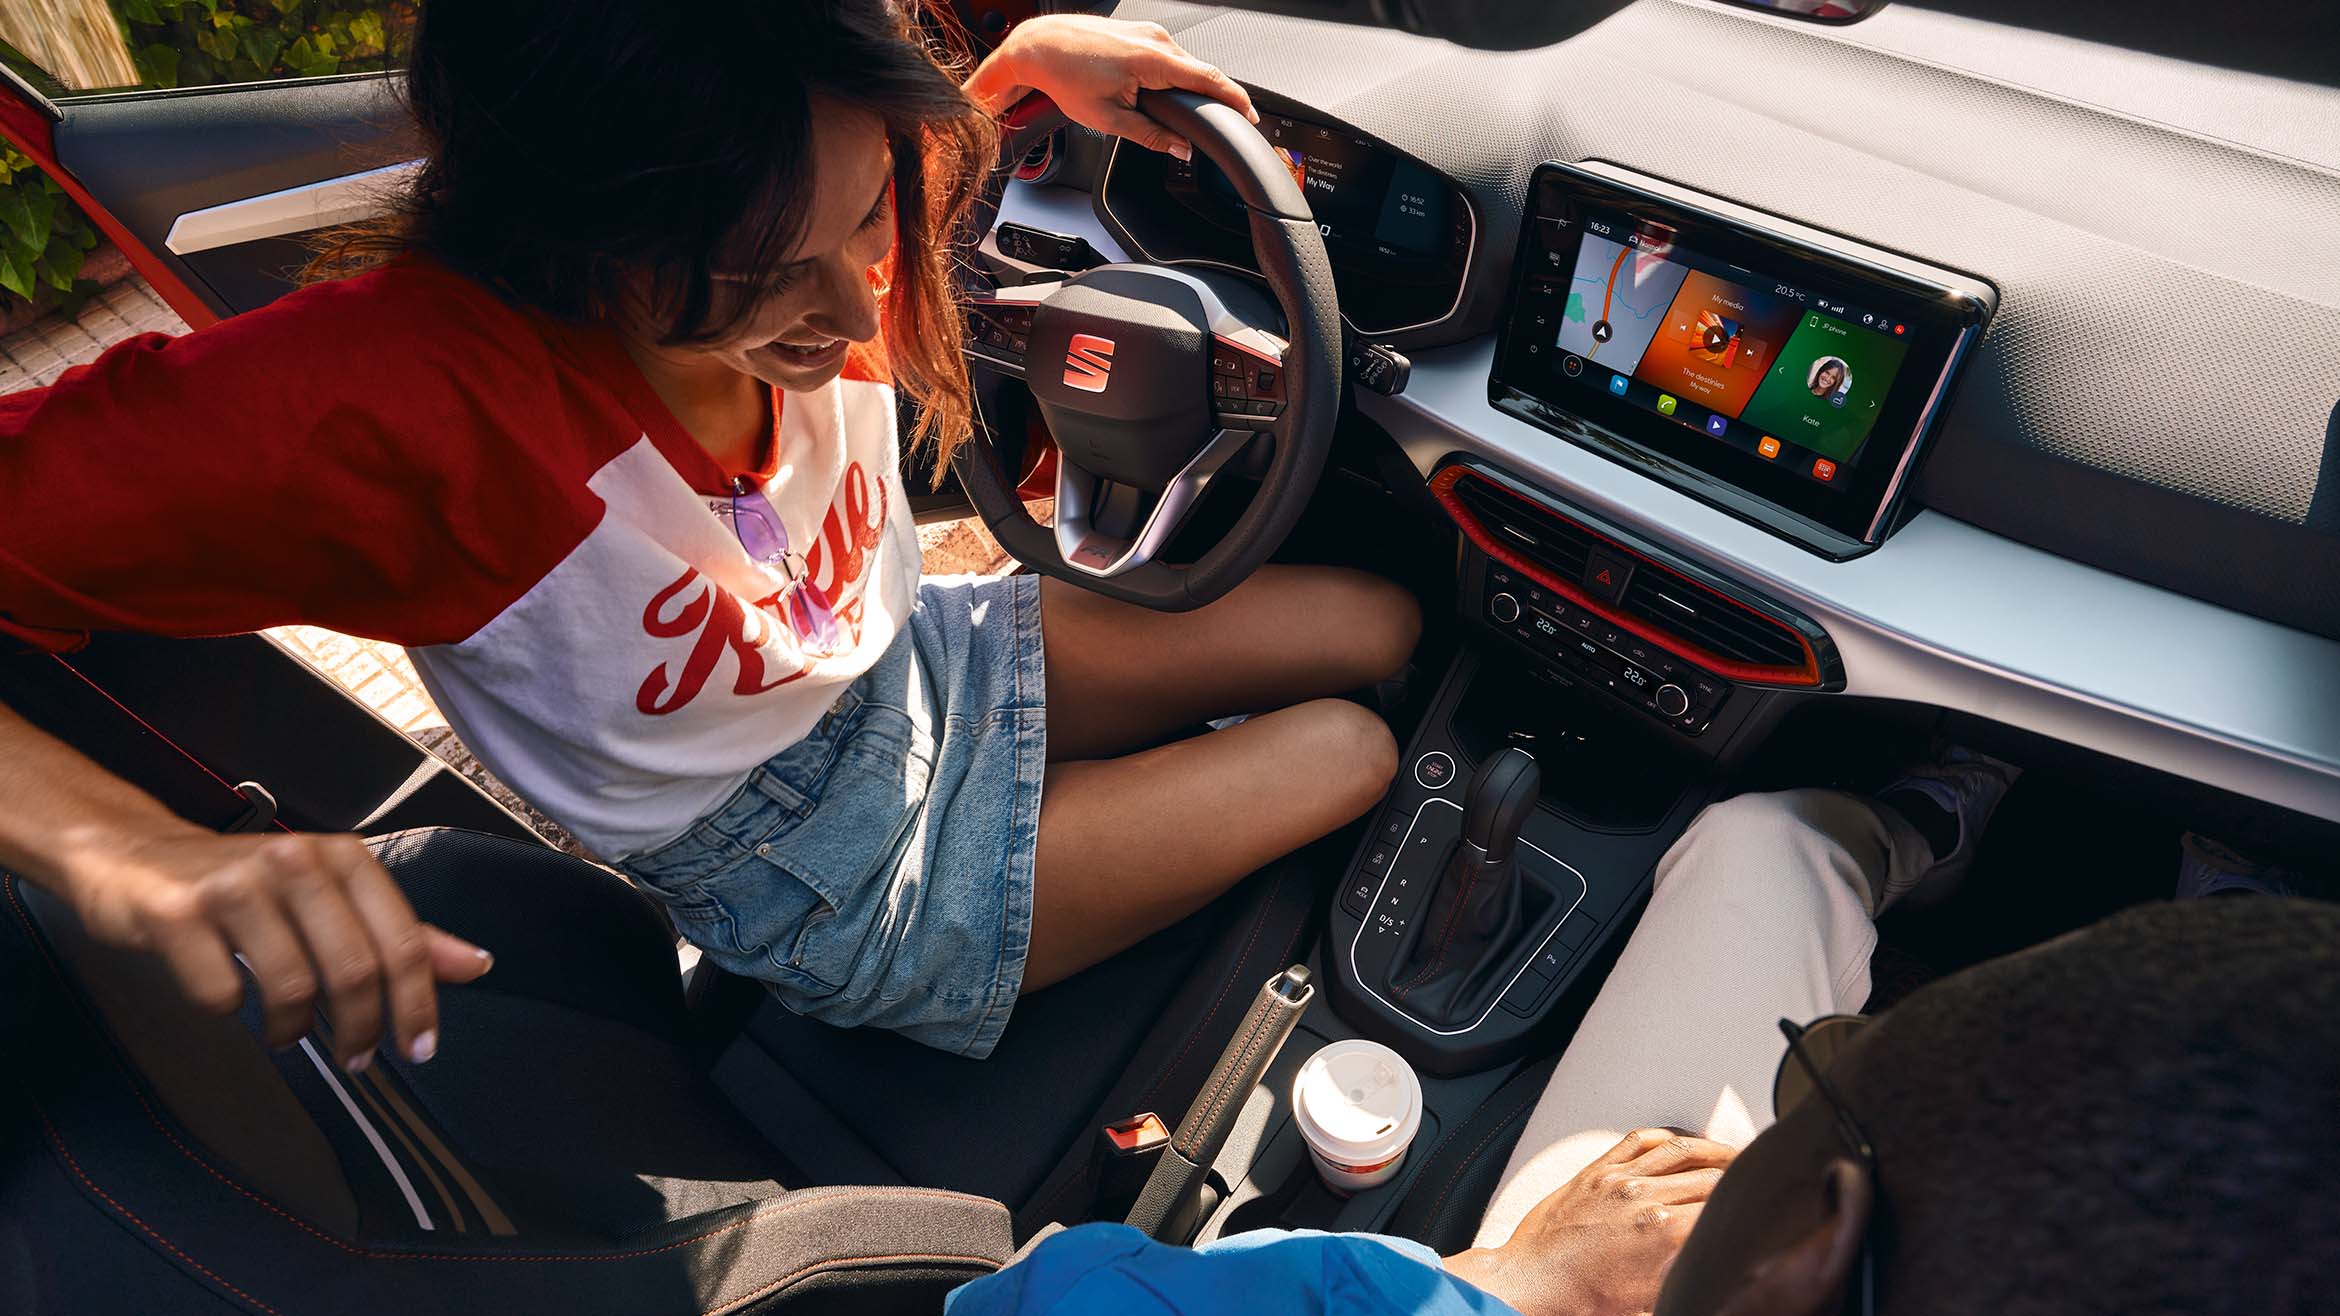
(1167, 1203)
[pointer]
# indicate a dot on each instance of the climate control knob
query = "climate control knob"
(1671, 701)
(1503, 608)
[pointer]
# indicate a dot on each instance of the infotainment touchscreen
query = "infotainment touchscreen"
(1789, 379)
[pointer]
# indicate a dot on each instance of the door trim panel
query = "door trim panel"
(290, 211)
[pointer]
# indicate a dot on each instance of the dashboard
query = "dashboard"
(2099, 537)
(1399, 234)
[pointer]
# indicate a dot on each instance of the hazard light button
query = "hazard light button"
(1605, 575)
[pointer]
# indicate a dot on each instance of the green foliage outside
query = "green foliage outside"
(43, 236)
(201, 43)
(186, 43)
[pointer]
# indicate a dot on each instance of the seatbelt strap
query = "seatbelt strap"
(259, 805)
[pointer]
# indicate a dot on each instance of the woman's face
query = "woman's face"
(796, 338)
(1826, 381)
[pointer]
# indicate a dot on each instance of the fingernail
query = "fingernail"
(424, 1046)
(1182, 151)
(486, 961)
(359, 1063)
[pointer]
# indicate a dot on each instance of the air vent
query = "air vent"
(1662, 604)
(1667, 601)
(1557, 546)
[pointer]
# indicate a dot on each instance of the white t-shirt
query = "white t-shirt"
(403, 456)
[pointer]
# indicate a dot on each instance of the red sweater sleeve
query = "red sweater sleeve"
(397, 455)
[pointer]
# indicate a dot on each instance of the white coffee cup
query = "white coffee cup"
(1358, 1106)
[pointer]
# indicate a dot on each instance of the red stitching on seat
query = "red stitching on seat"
(23, 917)
(58, 1142)
(1258, 922)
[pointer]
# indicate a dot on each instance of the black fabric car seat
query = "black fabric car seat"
(1136, 1033)
(566, 1151)
(571, 1148)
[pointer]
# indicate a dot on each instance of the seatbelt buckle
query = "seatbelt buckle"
(1123, 1158)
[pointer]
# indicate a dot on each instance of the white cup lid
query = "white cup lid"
(1357, 1102)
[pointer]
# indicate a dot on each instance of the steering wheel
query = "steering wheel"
(1153, 378)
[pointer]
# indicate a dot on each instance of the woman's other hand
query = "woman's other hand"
(315, 918)
(1094, 68)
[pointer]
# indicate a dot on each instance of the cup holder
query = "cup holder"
(1300, 1202)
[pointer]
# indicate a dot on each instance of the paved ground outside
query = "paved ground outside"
(377, 673)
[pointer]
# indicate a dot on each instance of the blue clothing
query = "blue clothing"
(1107, 1270)
(879, 871)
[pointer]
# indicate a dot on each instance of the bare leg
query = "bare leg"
(1129, 845)
(1121, 676)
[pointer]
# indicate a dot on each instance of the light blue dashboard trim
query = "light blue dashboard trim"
(1943, 613)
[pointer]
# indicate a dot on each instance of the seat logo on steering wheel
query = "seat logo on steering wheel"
(1088, 363)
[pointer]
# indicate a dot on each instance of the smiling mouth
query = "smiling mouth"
(804, 354)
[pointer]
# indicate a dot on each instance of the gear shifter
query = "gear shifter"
(1459, 956)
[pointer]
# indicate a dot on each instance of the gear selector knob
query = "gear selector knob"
(1502, 794)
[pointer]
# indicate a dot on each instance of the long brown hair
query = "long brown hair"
(571, 145)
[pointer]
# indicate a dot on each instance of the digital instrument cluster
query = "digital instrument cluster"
(1400, 235)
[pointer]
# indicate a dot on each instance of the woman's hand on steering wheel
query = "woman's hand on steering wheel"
(1094, 68)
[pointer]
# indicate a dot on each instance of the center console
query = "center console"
(1612, 684)
(1522, 830)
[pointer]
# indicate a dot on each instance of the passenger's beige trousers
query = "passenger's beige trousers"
(1761, 912)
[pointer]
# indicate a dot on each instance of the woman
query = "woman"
(1827, 377)
(601, 425)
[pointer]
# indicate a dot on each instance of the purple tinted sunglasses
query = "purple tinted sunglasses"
(802, 604)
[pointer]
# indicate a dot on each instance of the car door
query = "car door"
(214, 192)
(210, 192)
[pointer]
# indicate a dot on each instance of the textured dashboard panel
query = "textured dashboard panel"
(2157, 393)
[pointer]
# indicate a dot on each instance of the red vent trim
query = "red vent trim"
(1807, 674)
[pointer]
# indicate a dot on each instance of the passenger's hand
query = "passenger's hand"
(1601, 1244)
(315, 918)
(1094, 68)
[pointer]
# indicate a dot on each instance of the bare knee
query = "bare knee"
(1352, 753)
(1379, 622)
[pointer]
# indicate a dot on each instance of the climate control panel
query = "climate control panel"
(1597, 653)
